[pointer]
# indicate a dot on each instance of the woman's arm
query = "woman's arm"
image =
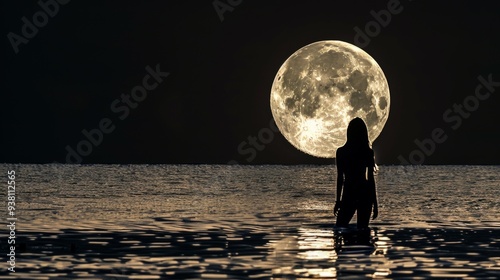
(340, 183)
(340, 174)
(373, 190)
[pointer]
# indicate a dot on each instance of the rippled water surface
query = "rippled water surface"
(250, 222)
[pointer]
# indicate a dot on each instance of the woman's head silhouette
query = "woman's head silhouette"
(357, 134)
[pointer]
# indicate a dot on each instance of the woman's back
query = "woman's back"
(354, 163)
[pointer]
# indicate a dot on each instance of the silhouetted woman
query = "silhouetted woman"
(355, 182)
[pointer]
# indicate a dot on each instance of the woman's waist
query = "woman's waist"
(356, 182)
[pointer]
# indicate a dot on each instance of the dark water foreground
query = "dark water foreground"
(249, 222)
(261, 247)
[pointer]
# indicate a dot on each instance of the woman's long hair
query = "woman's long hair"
(357, 135)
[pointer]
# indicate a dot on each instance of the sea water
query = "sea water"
(248, 222)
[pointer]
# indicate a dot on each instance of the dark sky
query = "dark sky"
(71, 73)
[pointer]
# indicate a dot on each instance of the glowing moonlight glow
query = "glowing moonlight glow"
(321, 88)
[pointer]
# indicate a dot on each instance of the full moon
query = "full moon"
(320, 88)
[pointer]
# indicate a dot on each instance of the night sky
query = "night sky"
(213, 64)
